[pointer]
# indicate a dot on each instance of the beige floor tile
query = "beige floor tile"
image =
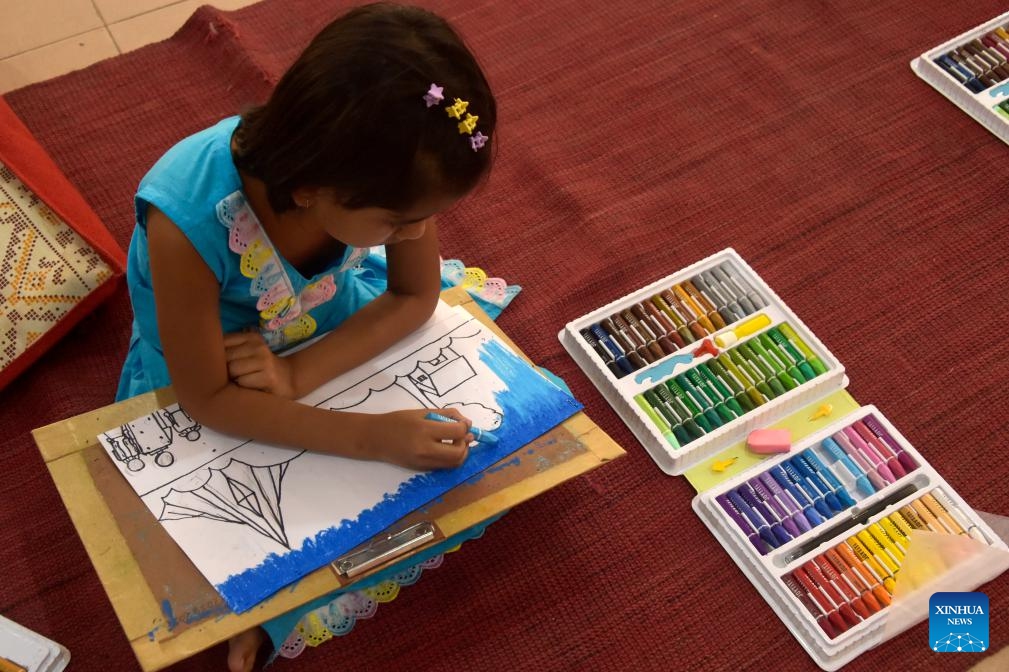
(28, 24)
(153, 26)
(113, 11)
(55, 59)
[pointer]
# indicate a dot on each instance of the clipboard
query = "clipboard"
(169, 611)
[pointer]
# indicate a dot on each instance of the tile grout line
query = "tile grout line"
(49, 44)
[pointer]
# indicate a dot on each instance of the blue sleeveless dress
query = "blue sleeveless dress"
(198, 187)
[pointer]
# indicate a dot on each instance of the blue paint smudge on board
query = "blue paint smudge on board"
(530, 404)
(166, 609)
(662, 369)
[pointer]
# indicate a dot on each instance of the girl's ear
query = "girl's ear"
(305, 197)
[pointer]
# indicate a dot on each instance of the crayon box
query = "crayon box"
(697, 360)
(826, 532)
(972, 70)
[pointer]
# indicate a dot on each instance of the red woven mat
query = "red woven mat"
(635, 138)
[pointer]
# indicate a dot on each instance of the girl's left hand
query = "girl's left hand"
(252, 364)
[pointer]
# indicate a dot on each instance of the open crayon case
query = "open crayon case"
(972, 70)
(821, 532)
(697, 360)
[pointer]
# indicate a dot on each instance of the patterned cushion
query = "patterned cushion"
(57, 261)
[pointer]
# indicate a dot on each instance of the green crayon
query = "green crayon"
(659, 422)
(755, 395)
(742, 398)
(687, 421)
(786, 345)
(695, 410)
(811, 357)
(721, 388)
(725, 414)
(779, 371)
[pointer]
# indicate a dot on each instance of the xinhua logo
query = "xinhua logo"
(958, 622)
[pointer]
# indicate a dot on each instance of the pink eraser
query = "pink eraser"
(765, 441)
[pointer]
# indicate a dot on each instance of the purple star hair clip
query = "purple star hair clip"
(434, 95)
(478, 140)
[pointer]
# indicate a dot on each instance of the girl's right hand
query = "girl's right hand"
(408, 439)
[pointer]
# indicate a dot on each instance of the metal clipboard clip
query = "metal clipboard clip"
(381, 551)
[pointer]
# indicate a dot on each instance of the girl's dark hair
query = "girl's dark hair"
(350, 114)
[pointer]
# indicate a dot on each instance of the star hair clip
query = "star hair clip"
(467, 124)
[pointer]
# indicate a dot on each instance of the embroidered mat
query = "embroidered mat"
(47, 268)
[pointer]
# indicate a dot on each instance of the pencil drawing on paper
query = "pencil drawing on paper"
(152, 436)
(282, 513)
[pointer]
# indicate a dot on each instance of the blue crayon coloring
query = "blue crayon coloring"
(662, 370)
(479, 435)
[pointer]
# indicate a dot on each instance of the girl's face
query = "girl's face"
(367, 227)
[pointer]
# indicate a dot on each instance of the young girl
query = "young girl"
(253, 235)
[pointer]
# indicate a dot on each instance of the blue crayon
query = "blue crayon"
(818, 467)
(861, 480)
(808, 510)
(814, 495)
(607, 342)
(479, 435)
(828, 495)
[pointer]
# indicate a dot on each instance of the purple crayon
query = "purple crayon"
(765, 496)
(787, 500)
(743, 524)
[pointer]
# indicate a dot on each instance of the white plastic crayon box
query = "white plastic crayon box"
(972, 70)
(826, 533)
(697, 360)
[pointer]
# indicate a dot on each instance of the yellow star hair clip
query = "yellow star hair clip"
(468, 124)
(456, 110)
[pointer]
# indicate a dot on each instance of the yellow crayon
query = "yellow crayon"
(895, 532)
(879, 533)
(878, 551)
(863, 554)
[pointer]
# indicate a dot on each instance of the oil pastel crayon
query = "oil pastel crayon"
(877, 428)
(892, 548)
(895, 532)
(745, 381)
(603, 353)
(755, 360)
(698, 330)
(747, 494)
(811, 606)
(855, 580)
(738, 392)
(743, 285)
(679, 323)
(779, 371)
(814, 361)
(911, 516)
(479, 435)
(784, 359)
(646, 334)
(695, 411)
(807, 504)
(624, 342)
(784, 344)
(873, 457)
(972, 530)
(814, 479)
(725, 414)
(829, 608)
(639, 343)
(720, 387)
(694, 308)
(786, 500)
(603, 339)
(869, 576)
(842, 440)
(734, 290)
(861, 481)
(770, 501)
(700, 401)
(931, 522)
(888, 456)
(812, 493)
(820, 571)
(706, 305)
(661, 322)
(657, 397)
(648, 403)
(903, 527)
(690, 427)
(758, 523)
(877, 550)
(824, 472)
(725, 304)
(743, 364)
(870, 561)
(743, 524)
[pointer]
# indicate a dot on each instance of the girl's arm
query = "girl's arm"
(187, 301)
(414, 286)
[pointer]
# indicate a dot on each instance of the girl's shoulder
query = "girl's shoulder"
(198, 170)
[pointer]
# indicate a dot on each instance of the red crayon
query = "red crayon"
(841, 584)
(817, 577)
(800, 593)
(821, 598)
